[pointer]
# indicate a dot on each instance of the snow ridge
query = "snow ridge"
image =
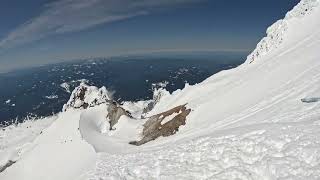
(85, 96)
(276, 32)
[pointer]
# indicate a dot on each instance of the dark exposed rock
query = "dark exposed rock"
(82, 93)
(115, 112)
(8, 164)
(311, 100)
(149, 107)
(158, 93)
(154, 127)
(85, 96)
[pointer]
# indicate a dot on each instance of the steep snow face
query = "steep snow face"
(87, 96)
(276, 33)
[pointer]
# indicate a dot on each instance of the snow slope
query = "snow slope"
(264, 151)
(58, 153)
(14, 137)
(251, 122)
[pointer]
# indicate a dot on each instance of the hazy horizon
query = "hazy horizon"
(159, 54)
(38, 32)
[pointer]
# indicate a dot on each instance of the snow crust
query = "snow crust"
(266, 151)
(250, 122)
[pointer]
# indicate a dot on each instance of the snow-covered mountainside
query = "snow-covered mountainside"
(277, 33)
(260, 120)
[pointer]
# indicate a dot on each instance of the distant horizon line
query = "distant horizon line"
(128, 54)
(149, 52)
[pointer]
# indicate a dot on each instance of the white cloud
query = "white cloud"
(74, 15)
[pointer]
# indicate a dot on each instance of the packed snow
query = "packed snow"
(16, 139)
(264, 151)
(260, 120)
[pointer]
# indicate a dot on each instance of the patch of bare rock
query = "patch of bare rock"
(155, 127)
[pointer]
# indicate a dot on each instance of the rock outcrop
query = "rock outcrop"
(115, 112)
(311, 100)
(158, 92)
(164, 124)
(85, 96)
(7, 165)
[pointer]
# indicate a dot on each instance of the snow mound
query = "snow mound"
(85, 96)
(276, 33)
(94, 129)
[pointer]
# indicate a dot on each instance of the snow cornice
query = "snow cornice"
(276, 32)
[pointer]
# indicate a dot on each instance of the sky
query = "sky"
(37, 32)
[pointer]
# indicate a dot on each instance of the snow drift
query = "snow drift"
(260, 120)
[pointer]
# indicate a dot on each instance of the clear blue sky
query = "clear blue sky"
(35, 32)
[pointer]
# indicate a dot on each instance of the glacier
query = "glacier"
(249, 122)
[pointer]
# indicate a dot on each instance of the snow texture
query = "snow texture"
(268, 151)
(16, 138)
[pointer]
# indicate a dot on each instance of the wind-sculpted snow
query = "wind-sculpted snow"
(94, 130)
(274, 38)
(266, 151)
(276, 33)
(303, 8)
